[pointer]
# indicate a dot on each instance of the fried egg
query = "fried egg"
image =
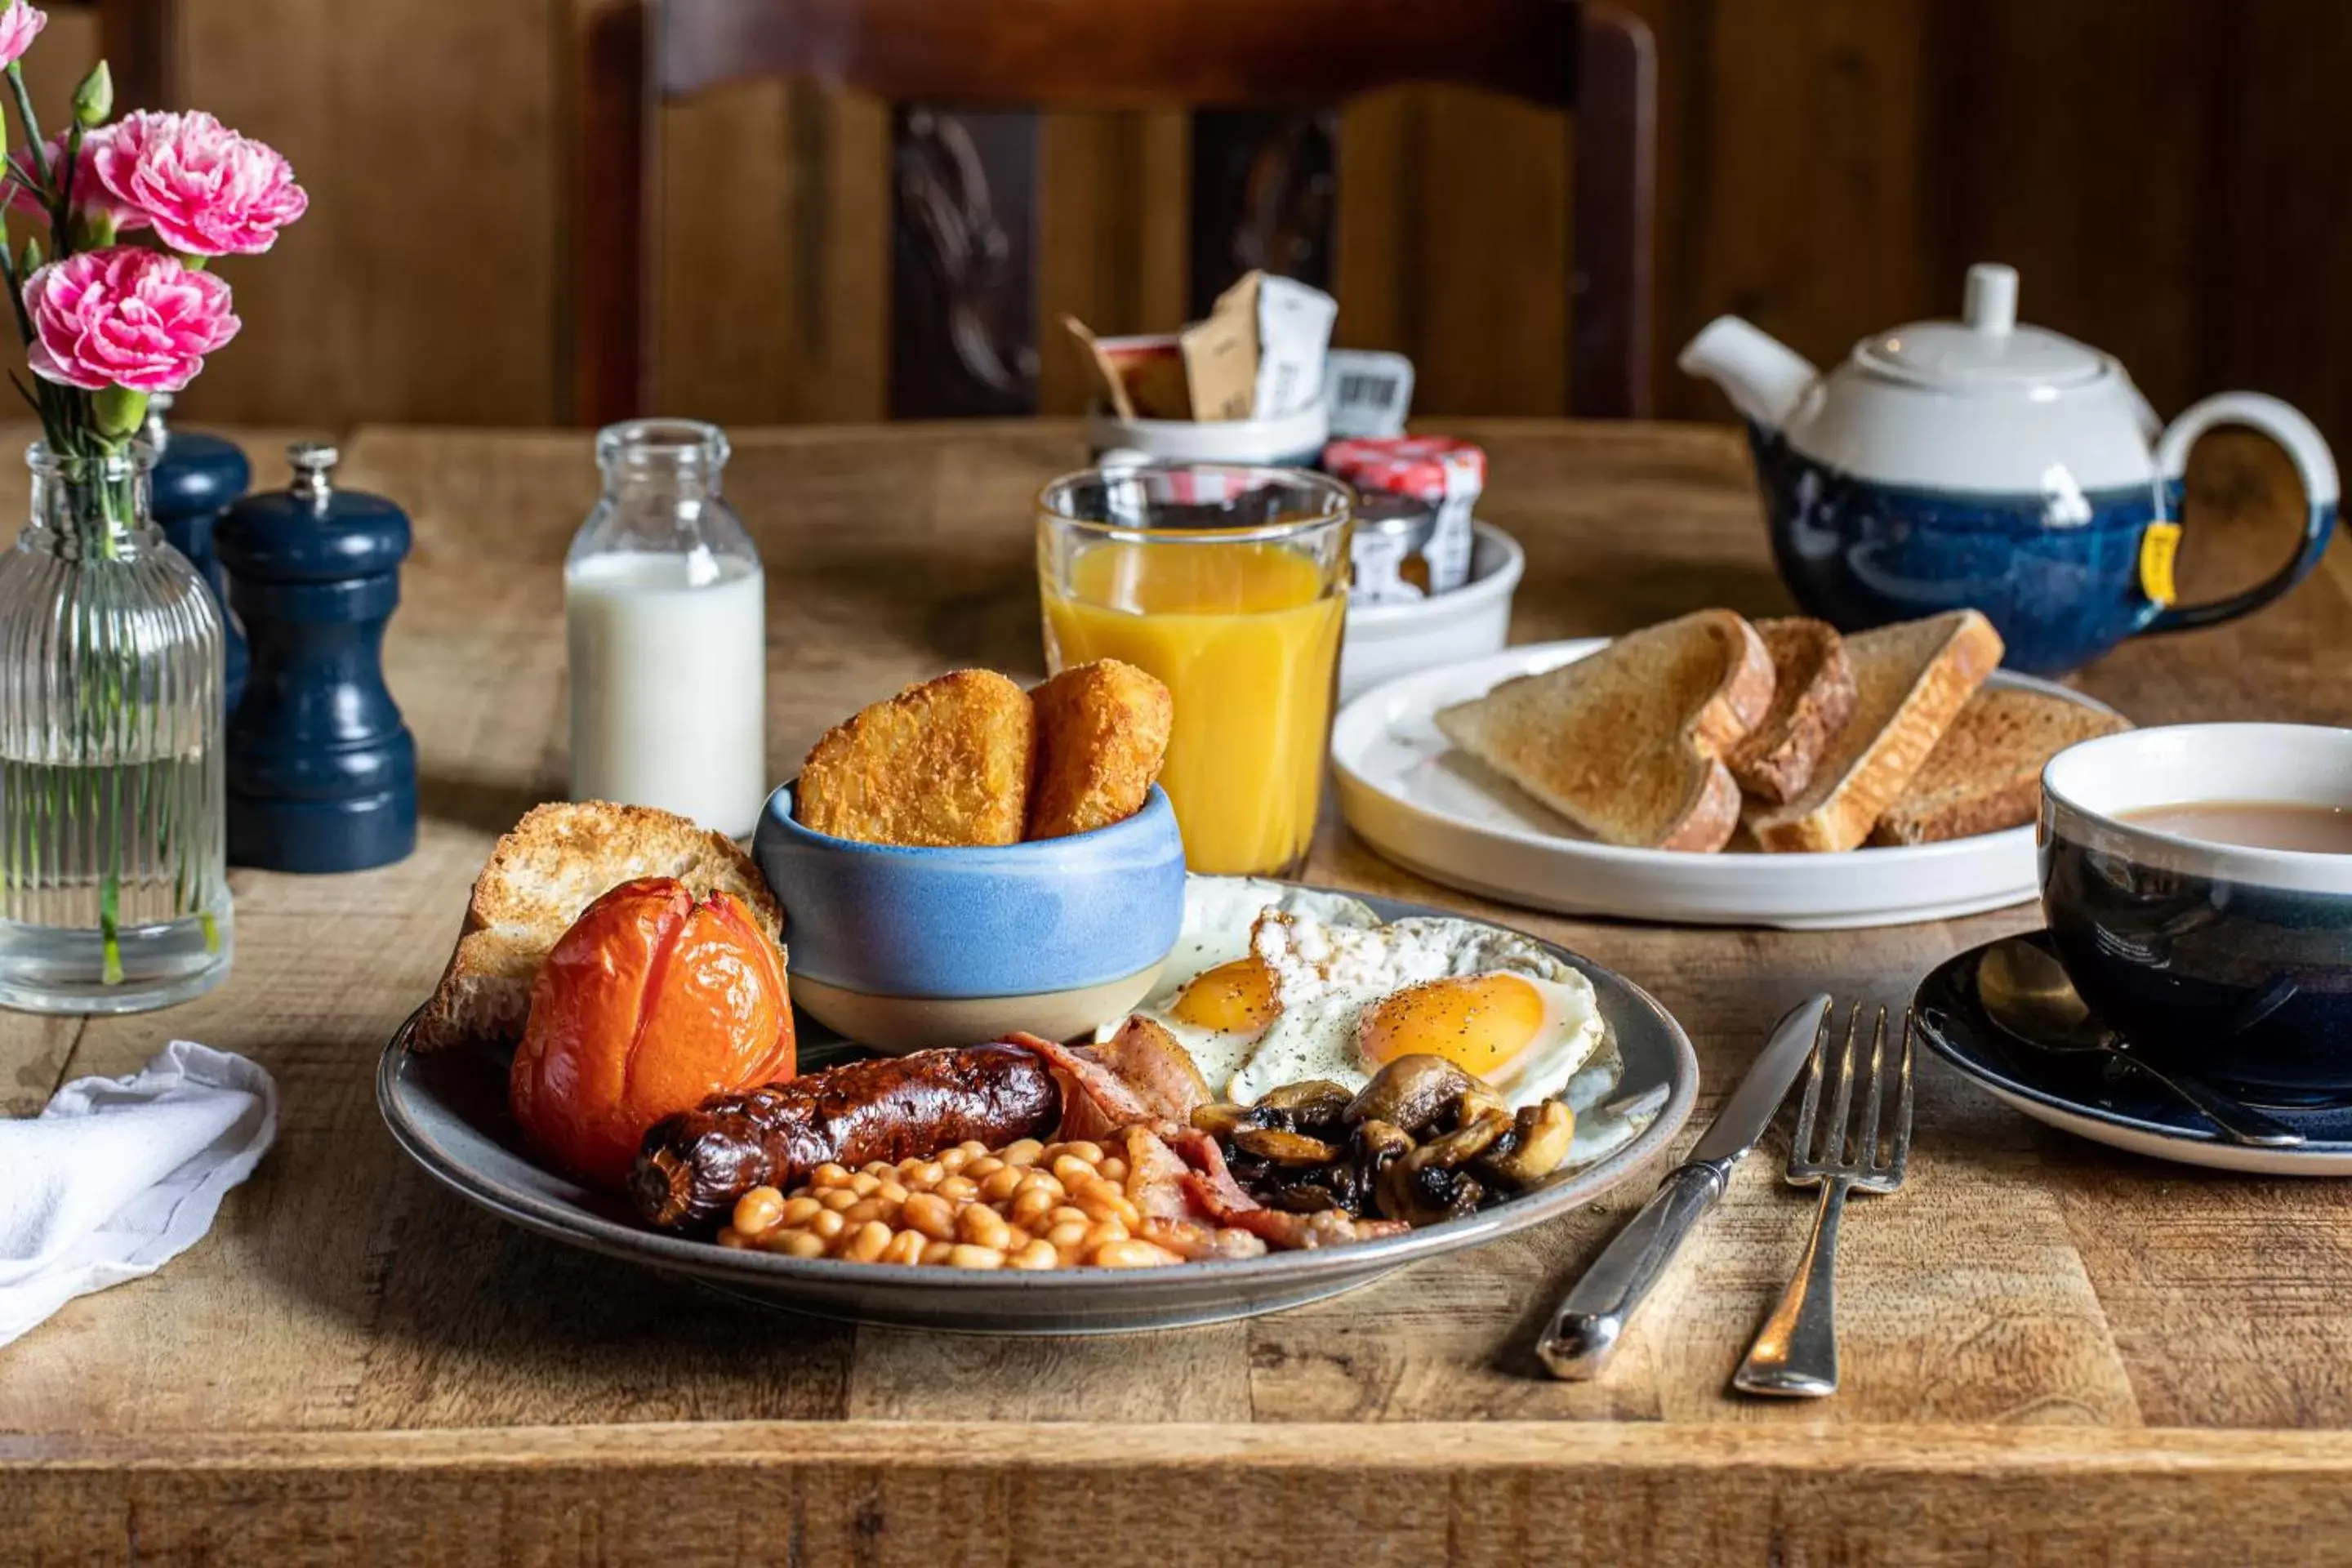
(1214, 994)
(1309, 995)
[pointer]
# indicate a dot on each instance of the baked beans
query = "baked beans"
(1030, 1204)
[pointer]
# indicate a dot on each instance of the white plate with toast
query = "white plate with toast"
(1433, 809)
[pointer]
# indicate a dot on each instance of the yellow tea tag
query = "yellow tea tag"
(2157, 546)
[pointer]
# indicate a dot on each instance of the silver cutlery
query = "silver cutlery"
(1592, 1316)
(1795, 1354)
(2026, 991)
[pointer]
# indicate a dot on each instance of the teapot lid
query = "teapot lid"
(1986, 349)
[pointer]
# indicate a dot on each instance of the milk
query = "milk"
(669, 683)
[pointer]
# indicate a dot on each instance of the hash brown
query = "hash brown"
(1102, 733)
(946, 762)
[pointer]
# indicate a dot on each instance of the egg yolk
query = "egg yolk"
(1477, 1022)
(1239, 995)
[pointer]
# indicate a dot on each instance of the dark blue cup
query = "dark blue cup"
(2227, 960)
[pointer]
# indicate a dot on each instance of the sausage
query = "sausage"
(693, 1166)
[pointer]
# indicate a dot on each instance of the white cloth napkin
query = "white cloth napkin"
(120, 1175)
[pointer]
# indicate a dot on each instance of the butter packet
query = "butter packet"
(1293, 321)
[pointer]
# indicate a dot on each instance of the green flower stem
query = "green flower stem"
(31, 122)
(35, 151)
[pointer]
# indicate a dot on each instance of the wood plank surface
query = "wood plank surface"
(2051, 1352)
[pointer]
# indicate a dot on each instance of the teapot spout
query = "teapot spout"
(1763, 376)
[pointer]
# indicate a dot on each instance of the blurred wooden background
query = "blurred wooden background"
(2168, 174)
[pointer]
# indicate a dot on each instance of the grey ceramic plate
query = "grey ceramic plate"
(449, 1111)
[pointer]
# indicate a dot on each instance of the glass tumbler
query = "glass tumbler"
(1230, 585)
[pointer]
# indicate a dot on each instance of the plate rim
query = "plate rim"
(576, 1226)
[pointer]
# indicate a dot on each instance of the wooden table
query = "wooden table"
(2051, 1352)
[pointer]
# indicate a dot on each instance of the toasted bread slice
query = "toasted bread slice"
(557, 861)
(1985, 774)
(942, 764)
(1812, 696)
(1910, 680)
(1102, 733)
(1627, 743)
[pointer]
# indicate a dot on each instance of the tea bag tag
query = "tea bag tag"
(2158, 547)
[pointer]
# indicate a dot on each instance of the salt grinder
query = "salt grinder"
(321, 771)
(194, 478)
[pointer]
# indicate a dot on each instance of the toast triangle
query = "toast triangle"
(1985, 774)
(1627, 742)
(1911, 681)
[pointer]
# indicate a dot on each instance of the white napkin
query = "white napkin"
(120, 1175)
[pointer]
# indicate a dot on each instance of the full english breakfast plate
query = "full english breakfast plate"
(1364, 1083)
(1428, 804)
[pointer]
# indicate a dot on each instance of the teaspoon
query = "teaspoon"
(2027, 993)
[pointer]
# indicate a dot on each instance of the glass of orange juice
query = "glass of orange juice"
(1230, 583)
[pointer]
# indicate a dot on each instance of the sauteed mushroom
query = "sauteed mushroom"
(1281, 1148)
(1425, 1193)
(1221, 1118)
(1377, 1141)
(1539, 1141)
(1316, 1101)
(1473, 1138)
(1412, 1091)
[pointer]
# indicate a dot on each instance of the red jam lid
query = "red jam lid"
(1404, 465)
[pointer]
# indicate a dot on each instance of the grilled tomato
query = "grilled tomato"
(649, 1005)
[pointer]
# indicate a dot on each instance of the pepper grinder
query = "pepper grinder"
(321, 771)
(194, 480)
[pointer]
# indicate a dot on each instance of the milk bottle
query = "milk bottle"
(664, 605)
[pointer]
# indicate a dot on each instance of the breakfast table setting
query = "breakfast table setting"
(2048, 1349)
(986, 991)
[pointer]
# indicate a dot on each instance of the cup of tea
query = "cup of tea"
(2198, 883)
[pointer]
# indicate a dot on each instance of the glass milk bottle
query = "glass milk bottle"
(666, 607)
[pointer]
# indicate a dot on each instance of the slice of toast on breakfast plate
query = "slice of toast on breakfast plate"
(1627, 742)
(1985, 774)
(1812, 696)
(1911, 681)
(557, 861)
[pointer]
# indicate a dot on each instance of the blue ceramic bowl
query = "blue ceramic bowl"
(2228, 961)
(901, 947)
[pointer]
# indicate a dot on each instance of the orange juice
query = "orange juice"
(1246, 637)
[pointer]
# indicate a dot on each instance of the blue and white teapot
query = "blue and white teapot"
(1983, 463)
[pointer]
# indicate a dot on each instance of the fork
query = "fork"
(1795, 1354)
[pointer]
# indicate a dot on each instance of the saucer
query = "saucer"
(2101, 1098)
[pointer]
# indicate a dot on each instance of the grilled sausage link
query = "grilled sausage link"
(693, 1166)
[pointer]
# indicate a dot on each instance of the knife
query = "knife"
(1592, 1316)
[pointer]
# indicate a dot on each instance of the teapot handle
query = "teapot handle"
(2304, 448)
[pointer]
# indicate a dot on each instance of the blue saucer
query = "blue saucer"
(2099, 1098)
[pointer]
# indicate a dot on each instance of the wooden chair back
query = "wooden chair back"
(965, 80)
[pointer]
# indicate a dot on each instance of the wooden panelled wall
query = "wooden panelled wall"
(2167, 173)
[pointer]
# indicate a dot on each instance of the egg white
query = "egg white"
(1220, 913)
(1333, 961)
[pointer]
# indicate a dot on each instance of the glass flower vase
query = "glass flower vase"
(113, 866)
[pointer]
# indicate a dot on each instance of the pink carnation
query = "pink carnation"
(207, 190)
(125, 316)
(19, 25)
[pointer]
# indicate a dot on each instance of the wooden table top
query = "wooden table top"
(2051, 1352)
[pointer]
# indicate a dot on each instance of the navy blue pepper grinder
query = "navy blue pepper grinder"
(194, 478)
(321, 771)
